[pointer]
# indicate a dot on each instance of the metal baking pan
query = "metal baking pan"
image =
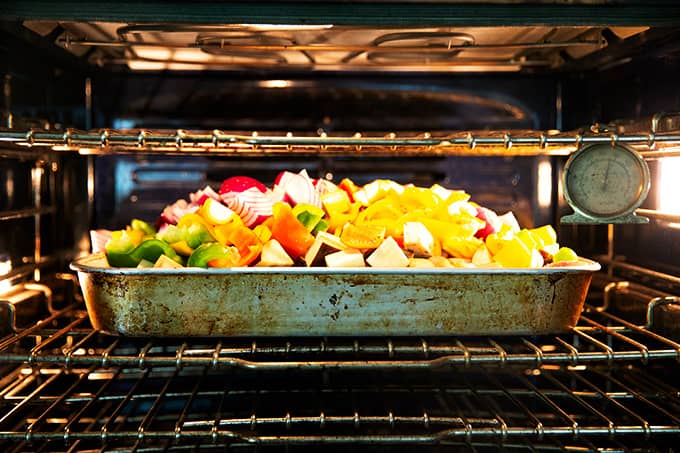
(299, 301)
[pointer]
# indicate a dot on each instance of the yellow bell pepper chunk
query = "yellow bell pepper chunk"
(263, 232)
(418, 198)
(189, 219)
(528, 239)
(362, 236)
(460, 247)
(544, 235)
(391, 226)
(387, 208)
(182, 248)
(337, 201)
(457, 195)
(445, 230)
(136, 236)
(495, 241)
(514, 253)
(338, 220)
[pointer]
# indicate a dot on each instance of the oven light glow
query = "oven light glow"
(5, 286)
(275, 83)
(141, 65)
(544, 183)
(285, 27)
(669, 185)
(5, 267)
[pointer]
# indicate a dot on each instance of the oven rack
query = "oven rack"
(65, 338)
(479, 143)
(129, 409)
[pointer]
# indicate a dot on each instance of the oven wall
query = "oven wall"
(50, 88)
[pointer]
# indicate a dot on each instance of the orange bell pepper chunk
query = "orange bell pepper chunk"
(348, 186)
(288, 230)
(362, 236)
(248, 244)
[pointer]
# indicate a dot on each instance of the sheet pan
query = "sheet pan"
(332, 302)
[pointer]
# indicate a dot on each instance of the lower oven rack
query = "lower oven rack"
(155, 409)
(609, 385)
(65, 338)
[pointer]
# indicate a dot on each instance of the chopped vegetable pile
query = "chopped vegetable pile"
(306, 222)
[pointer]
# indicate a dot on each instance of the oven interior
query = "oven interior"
(110, 115)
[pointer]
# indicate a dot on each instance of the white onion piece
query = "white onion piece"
(98, 239)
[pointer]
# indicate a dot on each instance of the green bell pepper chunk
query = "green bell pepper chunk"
(206, 253)
(170, 234)
(322, 225)
(141, 225)
(196, 234)
(152, 249)
(119, 250)
(308, 215)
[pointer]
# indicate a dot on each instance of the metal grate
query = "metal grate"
(478, 143)
(608, 385)
(122, 409)
(66, 339)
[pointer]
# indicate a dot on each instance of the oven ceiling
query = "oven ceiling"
(327, 47)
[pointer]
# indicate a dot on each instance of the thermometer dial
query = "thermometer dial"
(605, 183)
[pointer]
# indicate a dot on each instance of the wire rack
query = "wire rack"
(123, 409)
(65, 338)
(422, 143)
(606, 386)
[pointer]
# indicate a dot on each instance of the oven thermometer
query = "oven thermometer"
(605, 184)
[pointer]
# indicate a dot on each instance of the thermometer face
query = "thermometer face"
(603, 182)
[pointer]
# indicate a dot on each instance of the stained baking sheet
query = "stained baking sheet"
(299, 301)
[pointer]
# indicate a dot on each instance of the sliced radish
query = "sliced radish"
(241, 183)
(492, 223)
(253, 206)
(172, 213)
(323, 186)
(298, 188)
(199, 197)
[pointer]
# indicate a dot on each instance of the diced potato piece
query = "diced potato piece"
(461, 208)
(388, 254)
(442, 192)
(551, 249)
(421, 263)
(536, 259)
(345, 258)
(491, 265)
(461, 262)
(510, 220)
(166, 263)
(273, 254)
(440, 261)
(324, 244)
(418, 239)
(482, 257)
